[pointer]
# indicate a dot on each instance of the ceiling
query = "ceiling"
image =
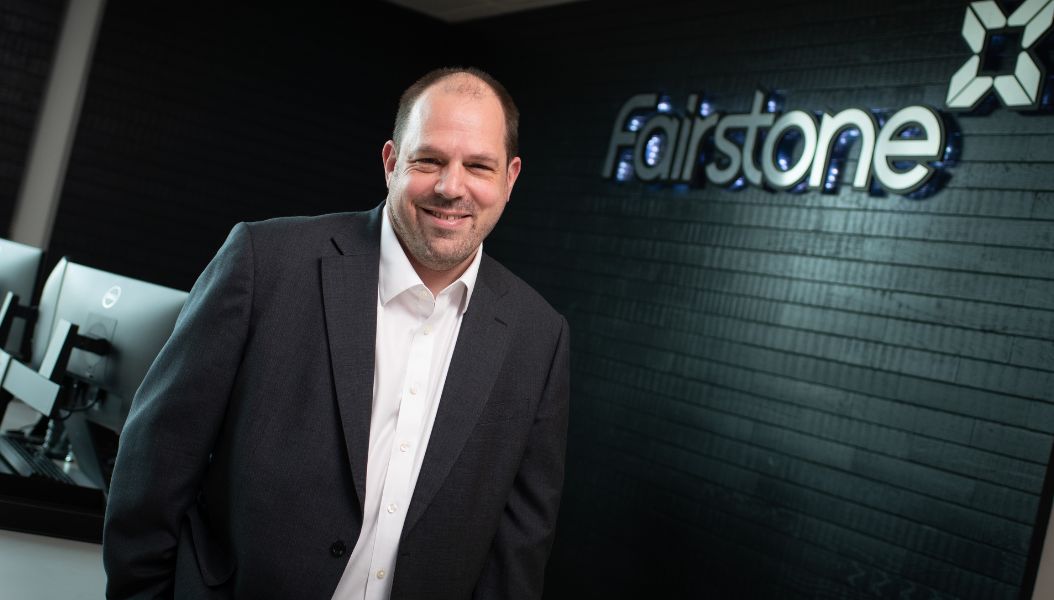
(456, 11)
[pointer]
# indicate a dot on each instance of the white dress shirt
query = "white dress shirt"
(416, 332)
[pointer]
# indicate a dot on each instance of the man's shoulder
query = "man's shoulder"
(307, 232)
(327, 223)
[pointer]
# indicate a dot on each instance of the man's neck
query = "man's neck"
(437, 281)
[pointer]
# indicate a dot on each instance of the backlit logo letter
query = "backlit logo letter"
(1019, 89)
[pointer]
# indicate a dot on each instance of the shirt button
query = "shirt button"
(338, 549)
(380, 574)
(428, 329)
(413, 389)
(392, 508)
(403, 447)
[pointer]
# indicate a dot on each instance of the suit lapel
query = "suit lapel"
(474, 366)
(349, 293)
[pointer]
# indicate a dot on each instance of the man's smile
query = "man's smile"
(446, 218)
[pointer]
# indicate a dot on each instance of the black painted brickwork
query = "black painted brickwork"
(780, 395)
(775, 395)
(28, 33)
(200, 115)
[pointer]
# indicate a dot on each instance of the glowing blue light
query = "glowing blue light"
(705, 108)
(635, 123)
(625, 166)
(847, 137)
(785, 149)
(738, 184)
(952, 149)
(830, 183)
(664, 105)
(774, 103)
(910, 132)
(653, 148)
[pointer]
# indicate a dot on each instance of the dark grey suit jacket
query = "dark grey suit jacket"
(242, 466)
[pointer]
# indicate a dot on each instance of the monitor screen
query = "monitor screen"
(136, 317)
(19, 267)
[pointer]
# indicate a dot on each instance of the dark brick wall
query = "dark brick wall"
(786, 395)
(28, 33)
(775, 395)
(200, 115)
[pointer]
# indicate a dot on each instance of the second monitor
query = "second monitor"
(19, 267)
(134, 316)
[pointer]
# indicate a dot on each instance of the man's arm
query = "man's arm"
(173, 423)
(518, 555)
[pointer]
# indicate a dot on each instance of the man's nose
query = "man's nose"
(451, 182)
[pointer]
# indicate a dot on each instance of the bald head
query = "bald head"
(467, 81)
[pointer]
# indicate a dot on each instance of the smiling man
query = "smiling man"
(361, 405)
(450, 170)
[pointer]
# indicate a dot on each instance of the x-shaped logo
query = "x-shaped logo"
(1019, 89)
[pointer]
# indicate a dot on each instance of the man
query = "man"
(358, 405)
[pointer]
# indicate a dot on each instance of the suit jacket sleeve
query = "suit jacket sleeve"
(173, 423)
(516, 565)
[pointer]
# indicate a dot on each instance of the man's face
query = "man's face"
(449, 180)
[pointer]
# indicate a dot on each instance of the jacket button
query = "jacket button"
(338, 549)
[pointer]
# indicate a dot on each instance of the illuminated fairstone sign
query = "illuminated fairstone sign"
(899, 151)
(776, 150)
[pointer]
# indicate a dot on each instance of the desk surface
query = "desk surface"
(34, 567)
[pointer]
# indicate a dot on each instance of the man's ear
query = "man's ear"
(389, 156)
(511, 174)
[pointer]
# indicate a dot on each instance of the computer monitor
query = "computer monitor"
(46, 305)
(20, 377)
(19, 268)
(134, 316)
(104, 331)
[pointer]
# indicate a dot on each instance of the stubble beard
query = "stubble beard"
(423, 247)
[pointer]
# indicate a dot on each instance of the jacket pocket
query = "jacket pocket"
(214, 560)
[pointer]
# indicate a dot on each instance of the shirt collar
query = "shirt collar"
(397, 274)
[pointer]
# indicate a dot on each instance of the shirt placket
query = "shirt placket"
(413, 409)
